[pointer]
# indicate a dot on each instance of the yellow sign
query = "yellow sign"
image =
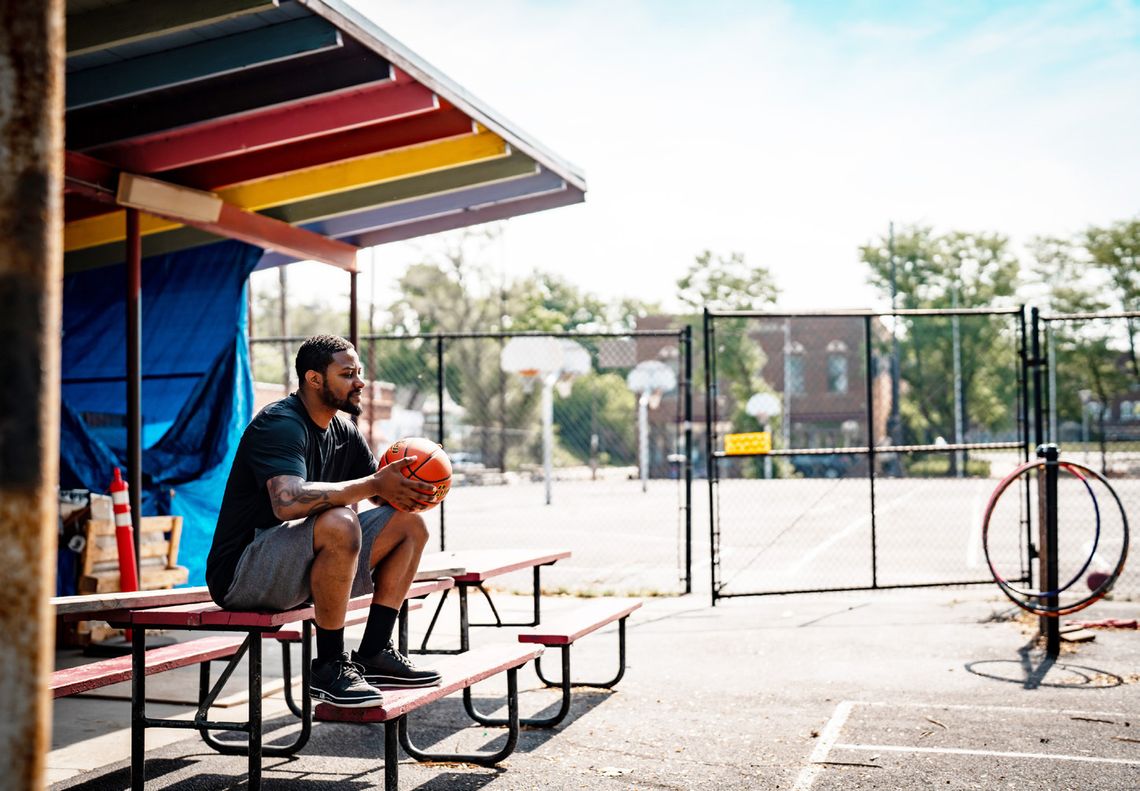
(750, 443)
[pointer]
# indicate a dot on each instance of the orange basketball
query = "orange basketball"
(431, 466)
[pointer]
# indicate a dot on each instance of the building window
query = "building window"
(837, 367)
(1126, 410)
(795, 372)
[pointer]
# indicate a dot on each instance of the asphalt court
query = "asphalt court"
(910, 745)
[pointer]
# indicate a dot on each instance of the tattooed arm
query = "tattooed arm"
(293, 497)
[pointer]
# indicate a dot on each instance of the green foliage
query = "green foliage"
(952, 270)
(311, 315)
(601, 404)
(1095, 362)
(726, 283)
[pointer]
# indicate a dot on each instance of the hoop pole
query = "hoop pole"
(1050, 627)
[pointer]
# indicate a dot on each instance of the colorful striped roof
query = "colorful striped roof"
(298, 125)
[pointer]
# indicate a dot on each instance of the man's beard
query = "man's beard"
(345, 405)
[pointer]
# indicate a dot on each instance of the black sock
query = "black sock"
(330, 643)
(378, 630)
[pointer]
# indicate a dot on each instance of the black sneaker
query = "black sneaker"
(390, 668)
(340, 682)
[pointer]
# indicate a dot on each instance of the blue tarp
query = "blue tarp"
(197, 391)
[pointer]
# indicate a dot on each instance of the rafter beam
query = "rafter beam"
(304, 184)
(346, 67)
(310, 117)
(389, 192)
(208, 212)
(324, 150)
(202, 60)
(104, 27)
(349, 225)
(469, 217)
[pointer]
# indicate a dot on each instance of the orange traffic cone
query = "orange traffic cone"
(125, 538)
(124, 534)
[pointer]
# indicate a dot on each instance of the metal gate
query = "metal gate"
(887, 432)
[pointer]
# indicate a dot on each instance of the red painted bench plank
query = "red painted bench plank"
(208, 614)
(94, 675)
(352, 619)
(565, 629)
(458, 671)
(482, 564)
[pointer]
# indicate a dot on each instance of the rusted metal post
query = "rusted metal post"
(31, 260)
(134, 381)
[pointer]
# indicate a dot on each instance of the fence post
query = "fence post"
(439, 391)
(710, 445)
(1050, 626)
(687, 349)
(867, 362)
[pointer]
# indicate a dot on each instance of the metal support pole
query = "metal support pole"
(1050, 626)
(1023, 417)
(687, 390)
(440, 391)
(283, 322)
(353, 312)
(1038, 380)
(138, 711)
(31, 271)
(710, 447)
(867, 362)
(894, 422)
(134, 379)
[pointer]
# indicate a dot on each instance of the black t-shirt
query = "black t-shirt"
(281, 440)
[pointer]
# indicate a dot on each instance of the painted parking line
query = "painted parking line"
(901, 748)
(829, 738)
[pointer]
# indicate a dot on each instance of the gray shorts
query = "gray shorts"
(273, 573)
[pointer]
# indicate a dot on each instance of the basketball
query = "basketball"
(432, 466)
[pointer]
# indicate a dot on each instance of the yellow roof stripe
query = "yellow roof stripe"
(308, 183)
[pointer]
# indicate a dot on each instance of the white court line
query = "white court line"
(823, 746)
(835, 538)
(898, 748)
(830, 735)
(983, 707)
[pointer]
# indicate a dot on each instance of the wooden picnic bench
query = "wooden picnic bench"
(459, 672)
(480, 565)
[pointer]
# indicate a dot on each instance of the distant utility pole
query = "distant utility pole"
(893, 422)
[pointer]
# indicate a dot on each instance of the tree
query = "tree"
(1094, 361)
(726, 283)
(1116, 250)
(731, 283)
(957, 269)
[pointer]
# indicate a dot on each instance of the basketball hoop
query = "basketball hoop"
(649, 379)
(554, 362)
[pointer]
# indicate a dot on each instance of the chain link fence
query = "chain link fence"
(888, 431)
(1091, 410)
(550, 446)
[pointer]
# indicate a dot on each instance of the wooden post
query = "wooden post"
(31, 267)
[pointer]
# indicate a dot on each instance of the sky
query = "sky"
(790, 132)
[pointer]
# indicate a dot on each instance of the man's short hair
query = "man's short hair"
(316, 354)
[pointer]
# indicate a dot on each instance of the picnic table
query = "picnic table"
(478, 566)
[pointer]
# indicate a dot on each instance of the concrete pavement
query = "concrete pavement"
(888, 689)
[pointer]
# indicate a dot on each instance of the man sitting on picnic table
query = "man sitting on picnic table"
(286, 534)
